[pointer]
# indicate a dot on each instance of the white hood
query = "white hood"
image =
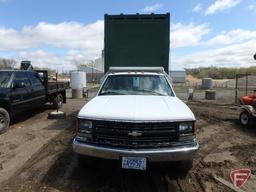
(136, 108)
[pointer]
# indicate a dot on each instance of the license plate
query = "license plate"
(139, 163)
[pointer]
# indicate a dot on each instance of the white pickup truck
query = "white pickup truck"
(136, 118)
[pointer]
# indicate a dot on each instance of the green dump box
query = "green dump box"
(137, 41)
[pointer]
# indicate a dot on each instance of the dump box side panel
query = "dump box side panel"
(137, 40)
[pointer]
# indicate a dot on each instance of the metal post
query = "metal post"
(92, 75)
(57, 93)
(246, 84)
(236, 89)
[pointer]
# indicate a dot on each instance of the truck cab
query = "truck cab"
(136, 117)
(22, 90)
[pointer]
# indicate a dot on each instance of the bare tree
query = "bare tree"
(7, 63)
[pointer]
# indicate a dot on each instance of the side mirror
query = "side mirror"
(254, 56)
(18, 84)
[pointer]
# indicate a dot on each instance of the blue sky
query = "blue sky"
(61, 34)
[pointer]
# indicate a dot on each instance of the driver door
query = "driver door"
(20, 92)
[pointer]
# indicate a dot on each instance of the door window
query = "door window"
(22, 78)
(35, 80)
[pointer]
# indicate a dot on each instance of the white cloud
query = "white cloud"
(41, 58)
(252, 7)
(231, 37)
(233, 48)
(237, 55)
(220, 5)
(187, 35)
(72, 35)
(152, 8)
(85, 42)
(198, 7)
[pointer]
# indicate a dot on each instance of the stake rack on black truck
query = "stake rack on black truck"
(24, 90)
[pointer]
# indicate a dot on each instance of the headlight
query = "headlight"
(85, 126)
(186, 127)
(84, 133)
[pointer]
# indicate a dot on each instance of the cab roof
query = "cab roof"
(17, 70)
(136, 69)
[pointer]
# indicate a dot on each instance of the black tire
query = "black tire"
(185, 166)
(58, 101)
(86, 162)
(245, 119)
(4, 120)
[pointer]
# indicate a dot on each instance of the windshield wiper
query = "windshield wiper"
(111, 93)
(151, 91)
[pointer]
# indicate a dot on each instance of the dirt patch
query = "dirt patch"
(12, 146)
(28, 134)
(220, 157)
(224, 146)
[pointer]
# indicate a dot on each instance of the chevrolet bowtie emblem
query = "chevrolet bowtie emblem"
(135, 133)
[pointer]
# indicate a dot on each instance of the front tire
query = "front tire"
(185, 166)
(245, 119)
(4, 120)
(86, 161)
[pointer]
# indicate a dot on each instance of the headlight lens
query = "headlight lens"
(85, 126)
(84, 133)
(186, 127)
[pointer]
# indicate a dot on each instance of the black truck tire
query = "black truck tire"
(184, 166)
(58, 101)
(4, 120)
(88, 162)
(245, 119)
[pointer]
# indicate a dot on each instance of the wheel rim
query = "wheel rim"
(244, 119)
(2, 121)
(60, 101)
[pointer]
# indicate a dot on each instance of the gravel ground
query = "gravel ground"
(36, 155)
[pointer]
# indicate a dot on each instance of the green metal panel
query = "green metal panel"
(137, 40)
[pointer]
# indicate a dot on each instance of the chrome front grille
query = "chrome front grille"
(135, 135)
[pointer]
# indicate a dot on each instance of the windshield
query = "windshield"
(4, 78)
(136, 85)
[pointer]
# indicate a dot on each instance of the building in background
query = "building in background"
(178, 75)
(99, 64)
(93, 69)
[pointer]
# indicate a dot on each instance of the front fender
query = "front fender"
(5, 99)
(250, 109)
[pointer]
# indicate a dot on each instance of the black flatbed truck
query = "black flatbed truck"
(22, 90)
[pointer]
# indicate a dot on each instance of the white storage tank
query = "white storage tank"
(77, 83)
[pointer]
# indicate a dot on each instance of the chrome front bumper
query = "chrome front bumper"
(154, 155)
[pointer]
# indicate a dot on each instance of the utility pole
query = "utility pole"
(92, 73)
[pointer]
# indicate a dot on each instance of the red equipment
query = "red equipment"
(248, 100)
